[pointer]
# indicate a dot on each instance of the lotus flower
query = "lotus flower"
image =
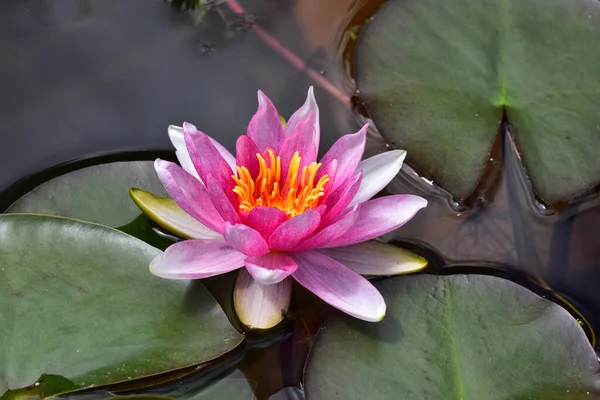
(277, 214)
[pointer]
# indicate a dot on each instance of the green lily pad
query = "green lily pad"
(77, 300)
(99, 193)
(233, 386)
(455, 337)
(44, 387)
(438, 76)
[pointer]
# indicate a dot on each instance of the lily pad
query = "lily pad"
(99, 193)
(77, 300)
(233, 386)
(455, 337)
(44, 387)
(437, 77)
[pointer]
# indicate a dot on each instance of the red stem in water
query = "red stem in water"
(292, 58)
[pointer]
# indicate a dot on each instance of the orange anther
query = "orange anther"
(294, 195)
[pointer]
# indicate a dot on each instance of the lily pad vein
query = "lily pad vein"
(453, 338)
(502, 49)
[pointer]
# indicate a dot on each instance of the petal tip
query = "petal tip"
(262, 98)
(310, 97)
(161, 164)
(174, 130)
(382, 310)
(401, 155)
(189, 128)
(152, 267)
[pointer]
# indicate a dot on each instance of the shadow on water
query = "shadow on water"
(99, 81)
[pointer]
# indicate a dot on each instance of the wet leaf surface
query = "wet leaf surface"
(437, 78)
(454, 337)
(65, 310)
(99, 193)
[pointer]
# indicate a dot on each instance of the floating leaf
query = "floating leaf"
(77, 300)
(437, 77)
(455, 337)
(233, 386)
(44, 387)
(99, 193)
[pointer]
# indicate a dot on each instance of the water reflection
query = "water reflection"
(95, 77)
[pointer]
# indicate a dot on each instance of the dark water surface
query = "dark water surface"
(83, 78)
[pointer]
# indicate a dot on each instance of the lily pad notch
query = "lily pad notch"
(438, 78)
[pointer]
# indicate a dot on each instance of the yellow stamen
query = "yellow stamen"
(296, 194)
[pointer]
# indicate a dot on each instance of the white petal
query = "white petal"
(266, 276)
(260, 306)
(378, 171)
(270, 268)
(376, 258)
(181, 151)
(167, 214)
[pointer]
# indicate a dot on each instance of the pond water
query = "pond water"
(88, 81)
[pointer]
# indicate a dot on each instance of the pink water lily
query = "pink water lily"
(280, 214)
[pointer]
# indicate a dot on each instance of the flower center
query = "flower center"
(294, 195)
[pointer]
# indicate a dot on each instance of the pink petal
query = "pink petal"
(301, 140)
(304, 124)
(273, 261)
(290, 233)
(270, 268)
(321, 209)
(181, 151)
(341, 197)
(348, 151)
(265, 128)
(245, 152)
(245, 239)
(227, 156)
(309, 106)
(266, 276)
(330, 170)
(378, 171)
(189, 193)
(380, 216)
(260, 306)
(176, 136)
(265, 220)
(339, 286)
(331, 232)
(196, 259)
(204, 155)
(221, 201)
